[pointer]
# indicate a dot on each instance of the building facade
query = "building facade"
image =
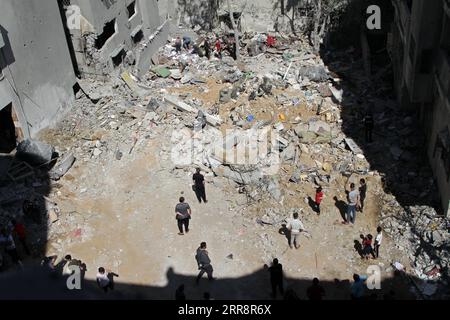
(46, 44)
(420, 51)
(37, 78)
(106, 34)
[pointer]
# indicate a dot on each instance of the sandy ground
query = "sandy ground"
(130, 228)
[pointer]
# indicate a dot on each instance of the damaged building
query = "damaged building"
(60, 40)
(420, 52)
(37, 78)
(104, 35)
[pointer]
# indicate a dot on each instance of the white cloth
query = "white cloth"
(379, 238)
(102, 279)
(295, 225)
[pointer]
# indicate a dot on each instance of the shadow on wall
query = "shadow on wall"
(7, 56)
(398, 148)
(36, 283)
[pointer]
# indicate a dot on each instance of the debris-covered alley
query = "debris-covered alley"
(268, 120)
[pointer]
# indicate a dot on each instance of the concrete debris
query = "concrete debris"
(313, 73)
(34, 152)
(62, 166)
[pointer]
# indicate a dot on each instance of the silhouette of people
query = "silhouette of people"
(204, 263)
(183, 215)
(276, 278)
(179, 293)
(358, 287)
(315, 291)
(6, 238)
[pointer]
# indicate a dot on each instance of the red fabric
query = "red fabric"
(319, 197)
(271, 41)
(218, 45)
(20, 230)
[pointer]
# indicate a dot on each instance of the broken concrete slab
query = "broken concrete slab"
(62, 166)
(94, 91)
(180, 105)
(353, 146)
(35, 152)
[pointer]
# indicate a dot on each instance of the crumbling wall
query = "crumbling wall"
(38, 74)
(123, 31)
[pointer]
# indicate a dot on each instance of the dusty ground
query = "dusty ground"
(128, 226)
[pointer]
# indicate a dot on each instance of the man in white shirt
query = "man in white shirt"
(105, 280)
(378, 240)
(295, 227)
(354, 201)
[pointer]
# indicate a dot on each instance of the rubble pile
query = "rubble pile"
(422, 234)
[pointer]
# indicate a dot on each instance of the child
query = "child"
(378, 240)
(19, 230)
(319, 198)
(367, 244)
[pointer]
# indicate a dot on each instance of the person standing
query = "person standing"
(276, 278)
(10, 247)
(19, 230)
(358, 287)
(204, 263)
(319, 198)
(368, 125)
(367, 247)
(354, 201)
(199, 186)
(179, 293)
(218, 46)
(183, 215)
(316, 291)
(295, 227)
(362, 193)
(378, 241)
(178, 45)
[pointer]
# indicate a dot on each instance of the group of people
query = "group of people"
(356, 199)
(369, 247)
(204, 48)
(14, 231)
(66, 267)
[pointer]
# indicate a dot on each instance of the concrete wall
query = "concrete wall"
(426, 91)
(38, 74)
(95, 15)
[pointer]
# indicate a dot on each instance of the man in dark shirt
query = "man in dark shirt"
(204, 263)
(276, 277)
(316, 291)
(183, 215)
(368, 124)
(362, 193)
(199, 186)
